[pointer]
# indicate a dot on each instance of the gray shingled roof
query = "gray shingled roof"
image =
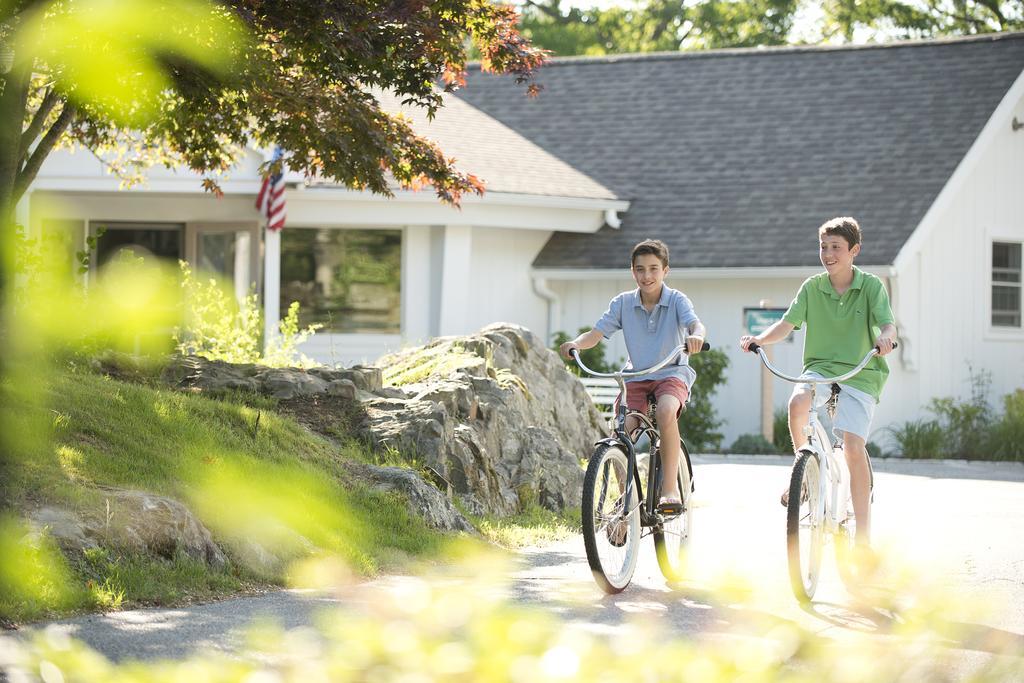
(498, 155)
(734, 157)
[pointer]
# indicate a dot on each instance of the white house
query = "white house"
(733, 157)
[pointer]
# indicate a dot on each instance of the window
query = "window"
(1006, 284)
(348, 280)
(146, 240)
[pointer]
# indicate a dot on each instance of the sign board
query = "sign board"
(757, 320)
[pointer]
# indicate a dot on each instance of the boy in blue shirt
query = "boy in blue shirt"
(654, 319)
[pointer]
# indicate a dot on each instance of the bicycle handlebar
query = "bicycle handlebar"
(634, 373)
(756, 348)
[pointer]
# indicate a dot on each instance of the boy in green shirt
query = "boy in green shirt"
(847, 312)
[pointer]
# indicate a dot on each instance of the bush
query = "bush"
(218, 328)
(967, 429)
(1008, 433)
(780, 431)
(593, 357)
(699, 423)
(752, 444)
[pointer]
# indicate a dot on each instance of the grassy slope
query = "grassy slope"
(234, 462)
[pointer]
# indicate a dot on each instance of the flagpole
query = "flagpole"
(271, 285)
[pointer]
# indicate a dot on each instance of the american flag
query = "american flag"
(270, 200)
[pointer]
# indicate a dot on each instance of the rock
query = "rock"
(344, 388)
(137, 521)
(511, 422)
(424, 500)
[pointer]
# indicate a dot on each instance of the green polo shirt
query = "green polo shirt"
(842, 329)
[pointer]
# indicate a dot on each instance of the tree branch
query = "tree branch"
(549, 10)
(36, 126)
(42, 150)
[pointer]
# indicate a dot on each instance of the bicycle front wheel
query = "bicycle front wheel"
(805, 526)
(672, 536)
(611, 524)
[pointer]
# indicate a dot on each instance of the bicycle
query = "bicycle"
(615, 507)
(818, 505)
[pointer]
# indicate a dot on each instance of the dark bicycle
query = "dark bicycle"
(620, 499)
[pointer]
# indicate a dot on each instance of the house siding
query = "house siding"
(944, 282)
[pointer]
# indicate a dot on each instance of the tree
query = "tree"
(922, 19)
(654, 25)
(192, 82)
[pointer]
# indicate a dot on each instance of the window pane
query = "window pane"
(227, 254)
(348, 280)
(1006, 255)
(152, 241)
(1005, 306)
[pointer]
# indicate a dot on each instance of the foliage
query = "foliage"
(192, 83)
(534, 525)
(699, 423)
(780, 431)
(662, 25)
(219, 328)
(95, 431)
(593, 357)
(919, 439)
(918, 18)
(967, 428)
(656, 25)
(1008, 435)
(437, 359)
(752, 444)
(456, 624)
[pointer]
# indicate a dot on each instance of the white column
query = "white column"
(415, 284)
(271, 284)
(455, 280)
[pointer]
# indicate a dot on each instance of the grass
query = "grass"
(439, 359)
(247, 471)
(533, 526)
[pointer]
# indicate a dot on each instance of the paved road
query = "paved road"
(955, 526)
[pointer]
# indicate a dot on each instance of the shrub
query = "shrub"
(593, 357)
(699, 423)
(780, 431)
(219, 328)
(1008, 433)
(966, 425)
(920, 439)
(752, 444)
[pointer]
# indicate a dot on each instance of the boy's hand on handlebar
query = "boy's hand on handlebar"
(884, 345)
(746, 340)
(567, 348)
(694, 344)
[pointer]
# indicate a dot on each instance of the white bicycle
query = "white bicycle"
(819, 490)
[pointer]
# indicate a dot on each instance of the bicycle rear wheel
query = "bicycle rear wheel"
(805, 526)
(611, 524)
(672, 536)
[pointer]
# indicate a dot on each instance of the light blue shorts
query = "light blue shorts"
(854, 410)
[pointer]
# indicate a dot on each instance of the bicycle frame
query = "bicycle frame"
(648, 516)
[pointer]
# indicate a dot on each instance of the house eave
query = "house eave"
(745, 273)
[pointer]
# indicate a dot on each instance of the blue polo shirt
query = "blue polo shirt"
(651, 336)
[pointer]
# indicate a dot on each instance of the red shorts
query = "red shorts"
(636, 393)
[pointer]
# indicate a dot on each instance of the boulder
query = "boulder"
(136, 521)
(509, 423)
